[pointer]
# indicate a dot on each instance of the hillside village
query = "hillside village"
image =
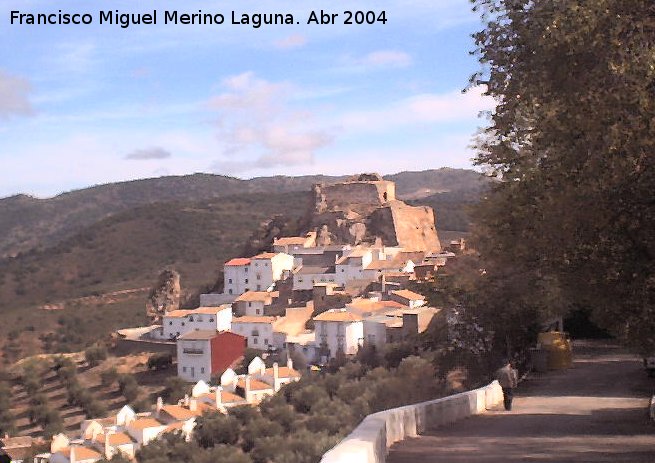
(311, 299)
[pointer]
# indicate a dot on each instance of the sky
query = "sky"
(89, 104)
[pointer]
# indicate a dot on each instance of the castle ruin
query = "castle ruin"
(364, 209)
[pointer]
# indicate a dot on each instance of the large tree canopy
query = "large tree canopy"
(573, 141)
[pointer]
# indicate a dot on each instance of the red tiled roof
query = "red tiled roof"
(409, 295)
(284, 372)
(255, 385)
(238, 261)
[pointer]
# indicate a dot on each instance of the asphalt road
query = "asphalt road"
(594, 412)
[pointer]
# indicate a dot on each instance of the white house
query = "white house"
(351, 266)
(379, 328)
(194, 355)
(305, 277)
(277, 376)
(257, 330)
(145, 429)
(257, 273)
(293, 243)
(236, 276)
(174, 324)
(112, 443)
(409, 298)
(75, 454)
(267, 268)
(338, 330)
(252, 303)
(210, 318)
(179, 322)
(252, 389)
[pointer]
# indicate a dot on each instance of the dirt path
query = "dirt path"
(594, 412)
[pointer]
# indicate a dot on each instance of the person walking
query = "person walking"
(508, 378)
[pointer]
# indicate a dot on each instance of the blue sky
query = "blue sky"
(83, 105)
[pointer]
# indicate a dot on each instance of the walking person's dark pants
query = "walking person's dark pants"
(508, 395)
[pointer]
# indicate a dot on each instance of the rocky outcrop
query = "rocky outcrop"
(164, 296)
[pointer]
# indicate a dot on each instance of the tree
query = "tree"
(108, 376)
(215, 428)
(174, 390)
(572, 141)
(128, 386)
(6, 417)
(95, 354)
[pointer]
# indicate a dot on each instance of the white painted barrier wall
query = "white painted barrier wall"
(368, 443)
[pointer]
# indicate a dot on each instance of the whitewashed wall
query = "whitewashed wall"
(369, 442)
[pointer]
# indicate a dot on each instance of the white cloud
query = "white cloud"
(14, 96)
(427, 108)
(260, 129)
(292, 41)
(154, 152)
(386, 58)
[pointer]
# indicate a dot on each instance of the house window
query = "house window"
(249, 304)
(229, 281)
(230, 291)
(259, 277)
(246, 280)
(258, 312)
(202, 369)
(182, 323)
(266, 341)
(246, 269)
(254, 341)
(170, 323)
(190, 319)
(259, 287)
(256, 264)
(183, 369)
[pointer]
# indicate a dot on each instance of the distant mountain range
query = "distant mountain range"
(27, 223)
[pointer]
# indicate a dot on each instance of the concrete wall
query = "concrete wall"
(134, 346)
(343, 195)
(369, 442)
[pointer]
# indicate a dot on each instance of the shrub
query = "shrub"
(141, 405)
(160, 361)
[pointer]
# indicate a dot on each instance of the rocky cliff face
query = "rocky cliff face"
(364, 210)
(164, 296)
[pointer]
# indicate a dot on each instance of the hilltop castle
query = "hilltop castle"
(364, 209)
